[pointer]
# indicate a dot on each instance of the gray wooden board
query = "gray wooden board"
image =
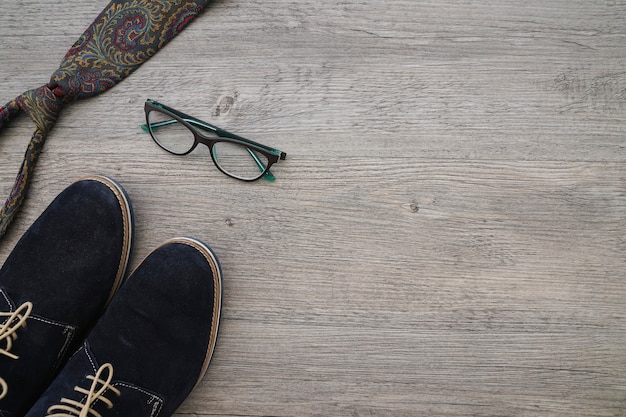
(447, 234)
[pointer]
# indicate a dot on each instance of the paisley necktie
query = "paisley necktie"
(123, 36)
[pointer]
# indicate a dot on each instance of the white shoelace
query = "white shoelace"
(8, 334)
(100, 384)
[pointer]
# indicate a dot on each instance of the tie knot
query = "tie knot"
(43, 105)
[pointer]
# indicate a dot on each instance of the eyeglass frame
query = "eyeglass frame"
(272, 155)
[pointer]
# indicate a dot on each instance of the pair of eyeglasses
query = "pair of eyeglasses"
(237, 157)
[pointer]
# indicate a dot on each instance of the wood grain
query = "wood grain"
(447, 234)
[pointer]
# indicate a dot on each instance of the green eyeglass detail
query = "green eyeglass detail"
(236, 156)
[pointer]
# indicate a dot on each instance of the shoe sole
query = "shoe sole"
(211, 258)
(127, 218)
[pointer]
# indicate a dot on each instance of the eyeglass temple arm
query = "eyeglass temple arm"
(268, 175)
(226, 134)
(157, 125)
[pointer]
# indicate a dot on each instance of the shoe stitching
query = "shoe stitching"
(97, 392)
(157, 402)
(87, 349)
(67, 327)
(15, 320)
(7, 299)
(69, 332)
(156, 407)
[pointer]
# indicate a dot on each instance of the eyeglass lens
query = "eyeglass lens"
(239, 161)
(234, 159)
(174, 137)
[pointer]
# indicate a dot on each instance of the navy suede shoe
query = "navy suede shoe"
(55, 284)
(151, 346)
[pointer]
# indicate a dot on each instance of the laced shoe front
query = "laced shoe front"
(68, 264)
(100, 388)
(8, 334)
(158, 333)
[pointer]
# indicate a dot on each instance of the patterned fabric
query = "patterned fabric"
(124, 35)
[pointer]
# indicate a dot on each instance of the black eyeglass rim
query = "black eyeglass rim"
(272, 155)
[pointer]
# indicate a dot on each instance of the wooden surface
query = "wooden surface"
(447, 235)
